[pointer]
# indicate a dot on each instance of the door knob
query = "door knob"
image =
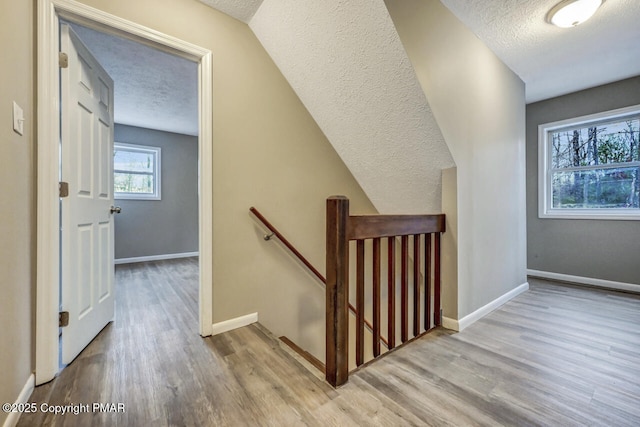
(115, 209)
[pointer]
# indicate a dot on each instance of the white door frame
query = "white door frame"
(48, 131)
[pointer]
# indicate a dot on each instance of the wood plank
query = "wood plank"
(404, 289)
(305, 354)
(416, 285)
(427, 282)
(391, 292)
(581, 367)
(376, 297)
(337, 291)
(371, 226)
(360, 302)
(437, 310)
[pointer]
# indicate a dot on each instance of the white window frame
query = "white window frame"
(545, 205)
(157, 153)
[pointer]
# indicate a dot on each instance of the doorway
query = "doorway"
(154, 114)
(48, 241)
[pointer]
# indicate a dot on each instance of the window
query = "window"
(589, 167)
(136, 172)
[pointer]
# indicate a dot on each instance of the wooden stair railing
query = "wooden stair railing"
(342, 228)
(311, 268)
(288, 244)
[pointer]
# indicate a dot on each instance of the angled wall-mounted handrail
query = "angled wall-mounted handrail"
(274, 232)
(288, 244)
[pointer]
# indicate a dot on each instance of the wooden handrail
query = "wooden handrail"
(372, 226)
(307, 264)
(288, 244)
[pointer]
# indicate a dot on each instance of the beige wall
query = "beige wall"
(479, 105)
(17, 208)
(449, 261)
(268, 153)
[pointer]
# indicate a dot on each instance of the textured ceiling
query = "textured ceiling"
(554, 61)
(153, 89)
(158, 90)
(242, 10)
(346, 62)
(550, 60)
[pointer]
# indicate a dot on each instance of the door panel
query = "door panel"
(87, 223)
(105, 174)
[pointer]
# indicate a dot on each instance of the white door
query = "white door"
(87, 268)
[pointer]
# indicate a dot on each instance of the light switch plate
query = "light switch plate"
(18, 118)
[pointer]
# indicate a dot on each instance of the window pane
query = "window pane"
(130, 160)
(133, 183)
(615, 142)
(594, 189)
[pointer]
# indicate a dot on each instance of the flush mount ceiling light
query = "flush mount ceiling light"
(569, 13)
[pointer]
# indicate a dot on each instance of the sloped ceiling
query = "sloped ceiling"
(346, 62)
(242, 10)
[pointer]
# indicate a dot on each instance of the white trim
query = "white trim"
(460, 324)
(600, 283)
(48, 251)
(48, 215)
(449, 323)
(13, 417)
(231, 324)
(205, 193)
(154, 258)
(545, 210)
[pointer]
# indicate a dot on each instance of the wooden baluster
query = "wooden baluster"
(360, 302)
(391, 292)
(337, 303)
(427, 282)
(404, 290)
(436, 281)
(376, 297)
(416, 285)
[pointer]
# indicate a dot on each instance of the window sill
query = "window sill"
(136, 197)
(589, 214)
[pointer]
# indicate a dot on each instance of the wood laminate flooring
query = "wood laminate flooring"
(556, 355)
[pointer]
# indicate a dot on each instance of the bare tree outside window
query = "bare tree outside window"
(589, 167)
(136, 172)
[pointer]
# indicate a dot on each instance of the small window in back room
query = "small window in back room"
(136, 172)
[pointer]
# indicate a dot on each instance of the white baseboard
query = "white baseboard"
(154, 258)
(231, 324)
(23, 397)
(460, 324)
(449, 323)
(601, 283)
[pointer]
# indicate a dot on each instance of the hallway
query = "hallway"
(556, 355)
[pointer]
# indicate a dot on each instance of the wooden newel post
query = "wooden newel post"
(337, 311)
